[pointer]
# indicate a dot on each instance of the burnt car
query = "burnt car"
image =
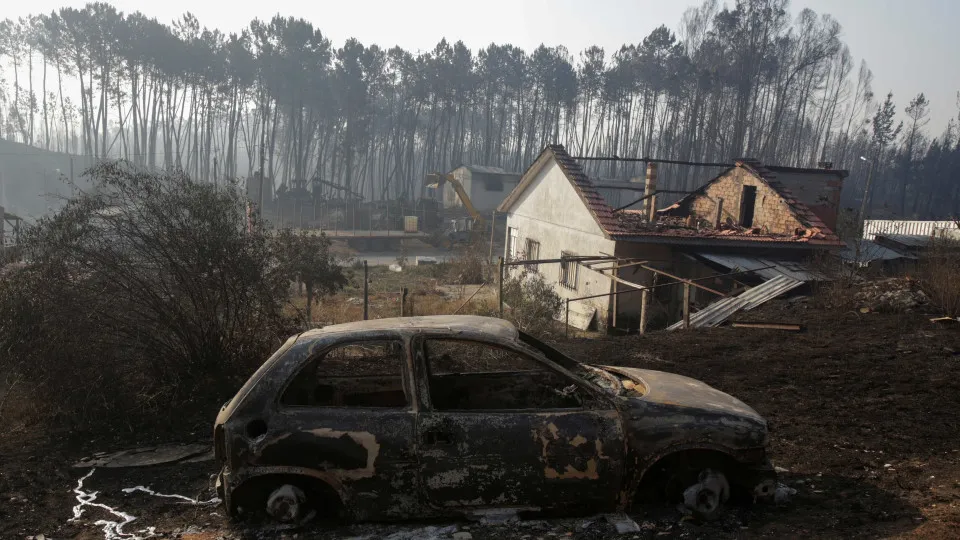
(456, 415)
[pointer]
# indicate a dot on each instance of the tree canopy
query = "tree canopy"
(748, 79)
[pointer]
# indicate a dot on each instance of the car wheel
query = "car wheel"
(287, 504)
(705, 496)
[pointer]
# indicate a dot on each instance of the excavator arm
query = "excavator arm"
(479, 222)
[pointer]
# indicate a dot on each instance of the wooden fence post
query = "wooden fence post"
(644, 305)
(366, 294)
(500, 282)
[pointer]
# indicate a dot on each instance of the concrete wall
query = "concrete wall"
(770, 211)
(819, 191)
(550, 211)
(486, 200)
(628, 305)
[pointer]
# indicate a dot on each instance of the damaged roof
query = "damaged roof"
(632, 225)
(816, 231)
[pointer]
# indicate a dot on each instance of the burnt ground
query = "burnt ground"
(864, 411)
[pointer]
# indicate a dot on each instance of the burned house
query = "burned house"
(752, 225)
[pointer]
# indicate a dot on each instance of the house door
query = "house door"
(502, 428)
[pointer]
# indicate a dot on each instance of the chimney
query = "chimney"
(719, 217)
(651, 188)
(826, 165)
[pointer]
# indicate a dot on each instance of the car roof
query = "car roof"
(491, 326)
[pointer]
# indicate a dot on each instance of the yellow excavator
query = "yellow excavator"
(458, 233)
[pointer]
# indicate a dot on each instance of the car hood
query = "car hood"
(676, 390)
(674, 409)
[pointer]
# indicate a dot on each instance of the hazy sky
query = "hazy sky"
(910, 45)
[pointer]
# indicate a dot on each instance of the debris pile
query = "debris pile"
(890, 295)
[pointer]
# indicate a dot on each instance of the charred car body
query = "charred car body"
(451, 415)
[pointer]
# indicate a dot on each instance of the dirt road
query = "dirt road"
(863, 410)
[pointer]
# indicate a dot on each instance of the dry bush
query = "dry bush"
(151, 298)
(939, 272)
(468, 267)
(533, 305)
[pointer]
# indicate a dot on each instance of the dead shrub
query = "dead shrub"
(151, 296)
(939, 273)
(531, 304)
(468, 267)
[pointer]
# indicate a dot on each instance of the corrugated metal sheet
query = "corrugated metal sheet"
(871, 251)
(722, 309)
(873, 227)
(909, 240)
(759, 266)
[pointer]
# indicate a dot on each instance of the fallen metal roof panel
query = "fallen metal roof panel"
(762, 266)
(871, 251)
(910, 240)
(722, 309)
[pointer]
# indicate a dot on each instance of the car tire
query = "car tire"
(287, 504)
(706, 497)
(701, 492)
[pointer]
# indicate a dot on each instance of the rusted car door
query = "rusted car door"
(500, 427)
(349, 416)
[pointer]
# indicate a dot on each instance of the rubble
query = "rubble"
(622, 523)
(890, 295)
(147, 456)
(783, 493)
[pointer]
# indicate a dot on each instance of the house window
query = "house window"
(533, 253)
(493, 184)
(512, 243)
(568, 271)
(748, 202)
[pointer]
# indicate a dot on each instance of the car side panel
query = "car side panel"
(366, 455)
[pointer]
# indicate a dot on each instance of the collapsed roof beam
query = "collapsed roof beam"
(578, 259)
(658, 271)
(641, 199)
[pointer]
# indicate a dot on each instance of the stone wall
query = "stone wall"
(770, 211)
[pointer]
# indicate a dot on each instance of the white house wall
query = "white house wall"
(488, 201)
(551, 212)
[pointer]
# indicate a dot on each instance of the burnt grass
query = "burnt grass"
(864, 411)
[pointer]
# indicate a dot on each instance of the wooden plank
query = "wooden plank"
(644, 309)
(678, 278)
(791, 327)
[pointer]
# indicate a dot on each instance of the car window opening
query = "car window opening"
(358, 374)
(468, 375)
